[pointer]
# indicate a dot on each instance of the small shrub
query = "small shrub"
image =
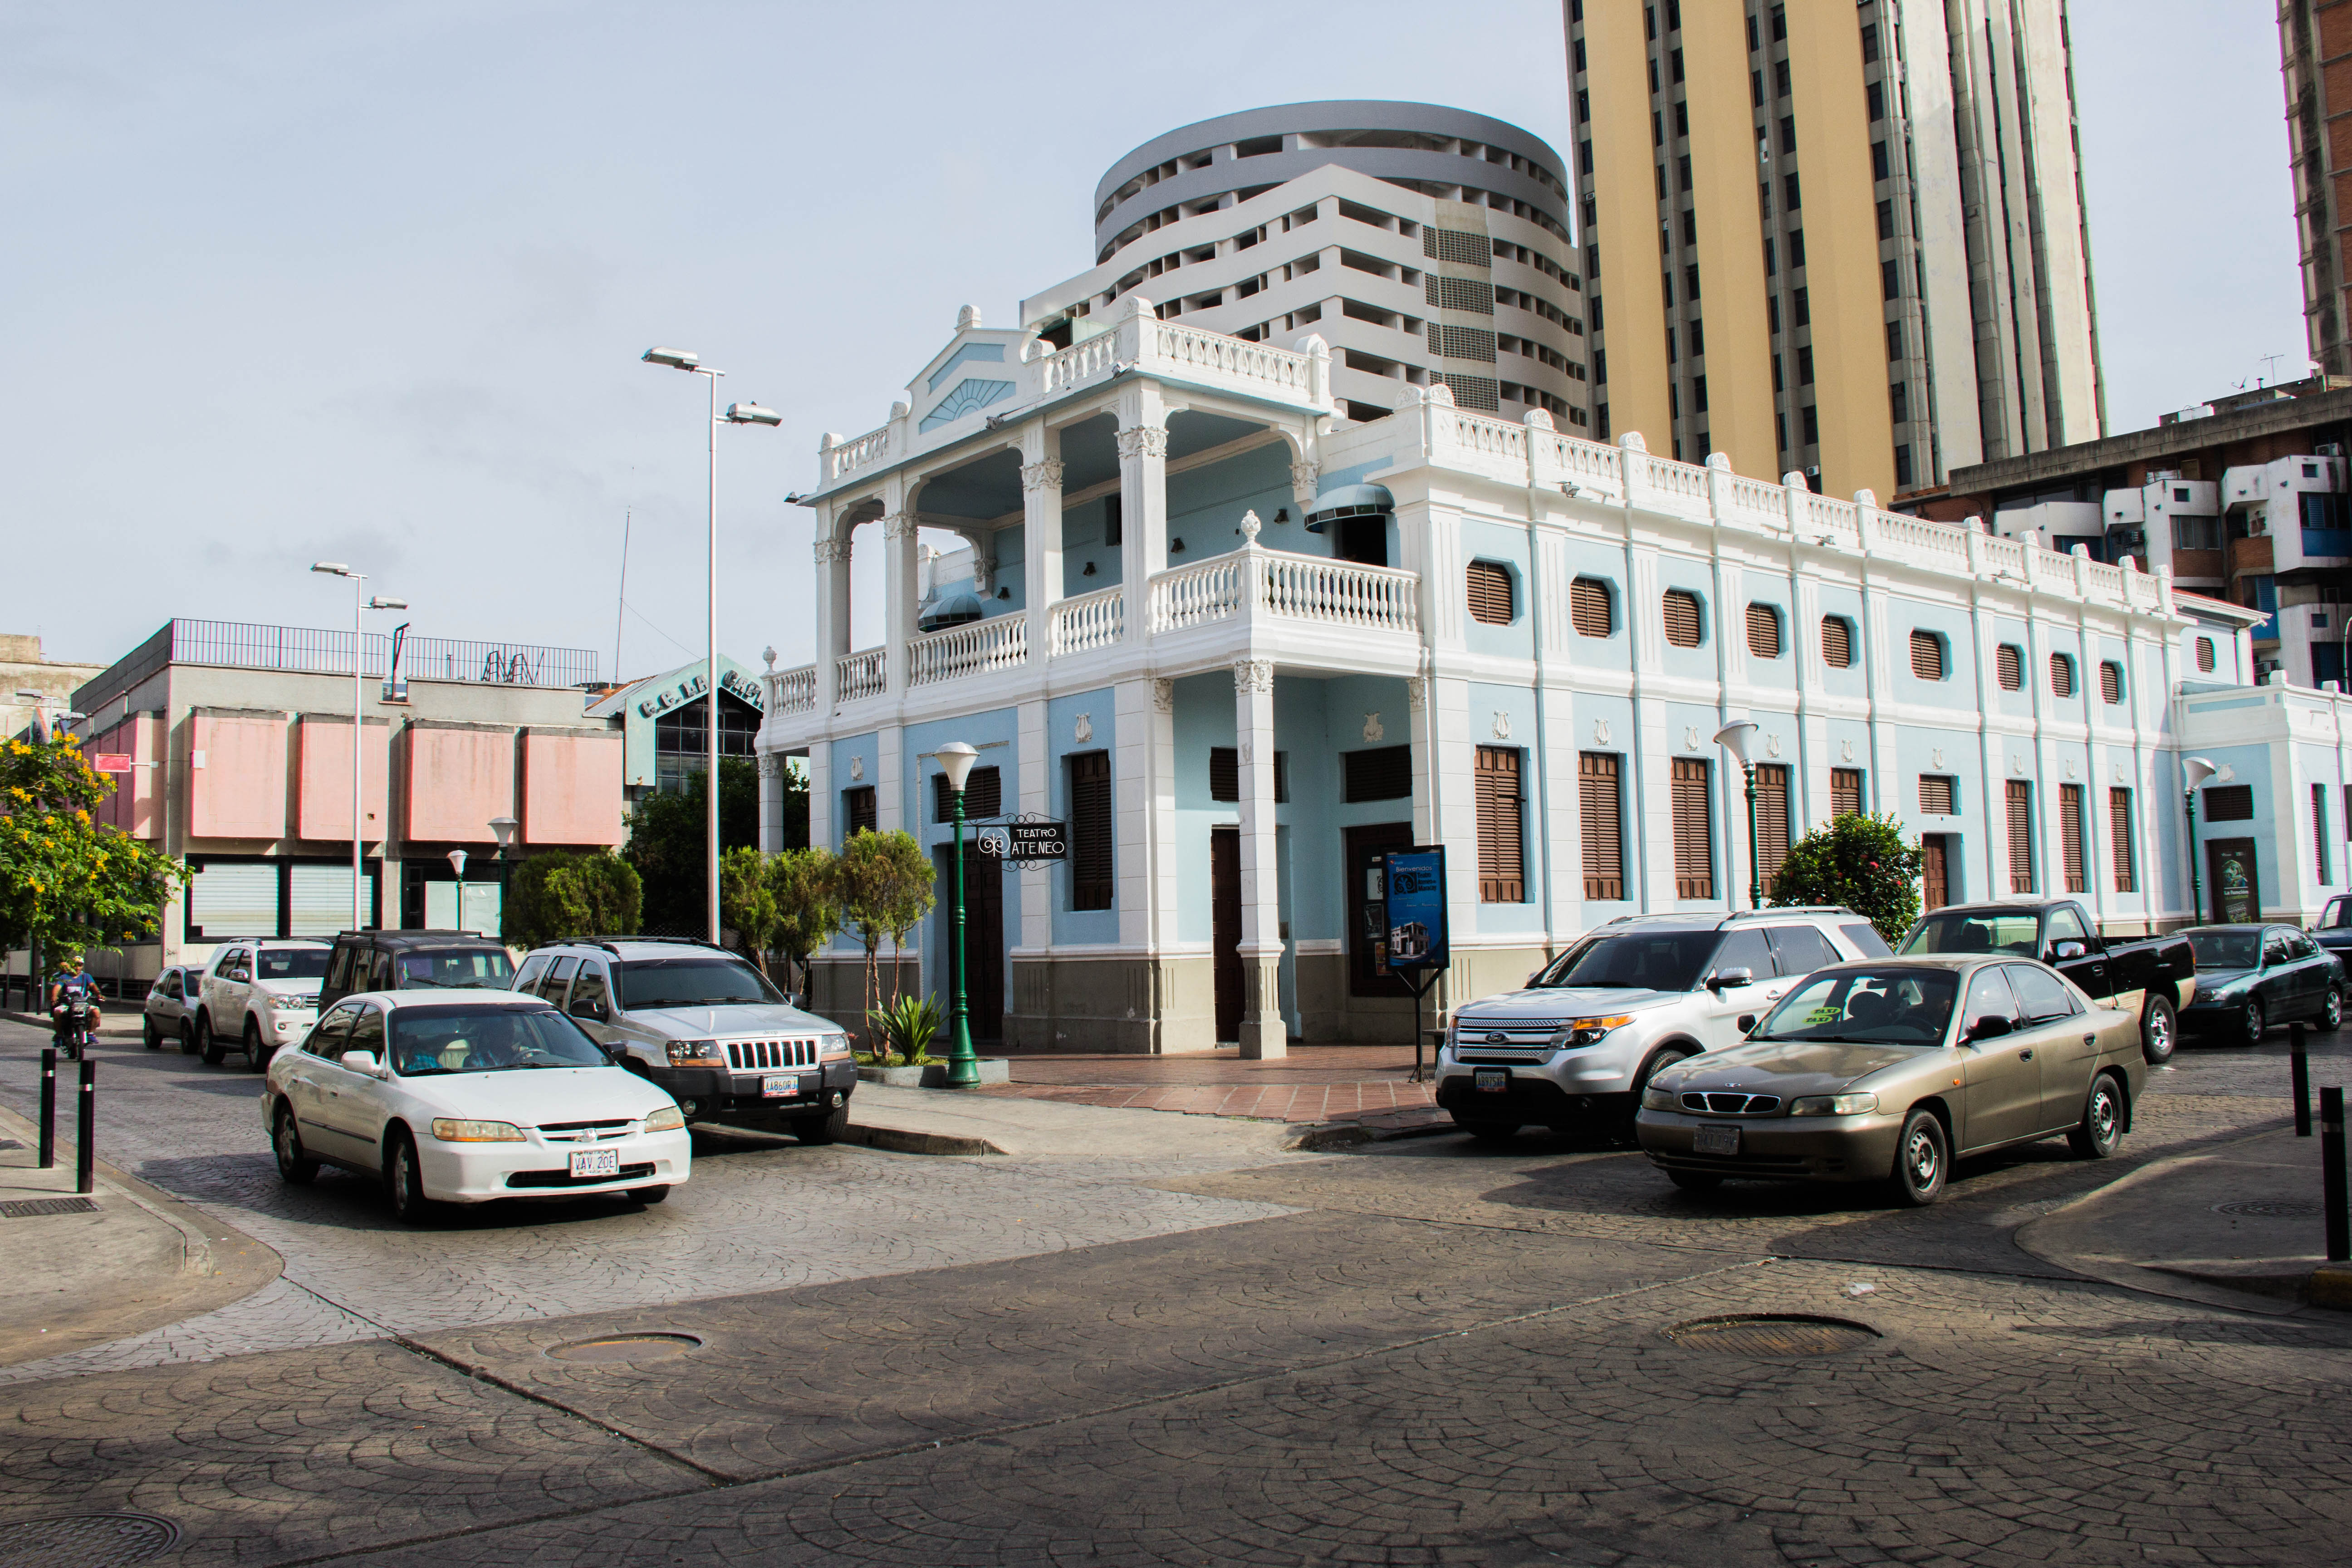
(1861, 862)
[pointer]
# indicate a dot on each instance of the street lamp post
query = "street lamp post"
(737, 414)
(2194, 771)
(458, 864)
(502, 829)
(1734, 738)
(361, 605)
(963, 1068)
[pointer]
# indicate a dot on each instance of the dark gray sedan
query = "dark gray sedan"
(2251, 977)
(170, 1009)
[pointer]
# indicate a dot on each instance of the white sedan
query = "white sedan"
(467, 1099)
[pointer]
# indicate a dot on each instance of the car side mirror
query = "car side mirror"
(1990, 1027)
(360, 1062)
(2064, 951)
(1724, 979)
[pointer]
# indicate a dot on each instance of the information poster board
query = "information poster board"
(1417, 935)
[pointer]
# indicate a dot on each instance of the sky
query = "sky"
(368, 283)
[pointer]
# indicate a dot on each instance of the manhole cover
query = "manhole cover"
(627, 1348)
(1775, 1336)
(2271, 1208)
(26, 1208)
(86, 1540)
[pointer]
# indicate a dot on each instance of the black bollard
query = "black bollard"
(86, 1130)
(2331, 1165)
(48, 1107)
(2302, 1065)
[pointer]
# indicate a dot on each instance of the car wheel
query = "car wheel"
(404, 1180)
(148, 1034)
(2250, 1023)
(829, 1128)
(1631, 1109)
(2102, 1122)
(2331, 1015)
(208, 1044)
(256, 1056)
(1923, 1158)
(286, 1139)
(2160, 1030)
(650, 1195)
(1695, 1181)
(187, 1039)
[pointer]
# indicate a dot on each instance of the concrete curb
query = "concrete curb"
(1338, 1135)
(898, 1141)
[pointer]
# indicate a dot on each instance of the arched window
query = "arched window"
(1837, 642)
(1926, 656)
(2062, 674)
(1592, 607)
(2009, 667)
(2111, 683)
(1490, 592)
(1763, 631)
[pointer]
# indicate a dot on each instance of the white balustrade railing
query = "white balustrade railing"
(791, 690)
(1090, 621)
(1589, 463)
(976, 647)
(1296, 587)
(1761, 504)
(861, 675)
(1238, 357)
(1079, 362)
(858, 453)
(1490, 437)
(1930, 544)
(1670, 478)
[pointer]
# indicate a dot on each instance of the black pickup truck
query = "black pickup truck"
(2154, 976)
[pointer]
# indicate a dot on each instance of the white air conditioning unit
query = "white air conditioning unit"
(2328, 449)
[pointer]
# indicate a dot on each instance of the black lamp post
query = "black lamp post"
(963, 1068)
(2194, 771)
(1734, 738)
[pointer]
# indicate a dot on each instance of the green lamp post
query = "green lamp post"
(2194, 771)
(1734, 738)
(963, 1068)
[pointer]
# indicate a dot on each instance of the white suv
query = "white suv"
(1627, 998)
(261, 993)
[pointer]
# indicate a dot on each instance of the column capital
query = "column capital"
(771, 765)
(899, 525)
(1143, 441)
(1163, 696)
(1416, 692)
(1252, 675)
(1304, 473)
(1044, 476)
(829, 551)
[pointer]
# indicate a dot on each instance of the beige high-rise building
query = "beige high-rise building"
(1841, 239)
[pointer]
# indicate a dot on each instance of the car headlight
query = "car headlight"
(668, 1118)
(450, 1130)
(832, 1048)
(1587, 1031)
(1657, 1098)
(695, 1053)
(1833, 1105)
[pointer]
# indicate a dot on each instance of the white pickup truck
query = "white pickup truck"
(261, 993)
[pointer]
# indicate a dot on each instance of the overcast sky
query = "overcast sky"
(368, 283)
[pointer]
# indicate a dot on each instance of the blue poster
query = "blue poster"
(1416, 911)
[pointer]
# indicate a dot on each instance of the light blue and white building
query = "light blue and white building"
(1241, 644)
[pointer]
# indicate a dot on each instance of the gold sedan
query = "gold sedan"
(1885, 1069)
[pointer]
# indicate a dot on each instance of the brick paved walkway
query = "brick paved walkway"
(1321, 1085)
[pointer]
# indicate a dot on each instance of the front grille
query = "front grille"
(751, 1056)
(1498, 1056)
(1732, 1104)
(566, 1179)
(585, 1132)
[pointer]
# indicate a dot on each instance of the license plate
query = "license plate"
(1715, 1140)
(1491, 1081)
(779, 1087)
(596, 1162)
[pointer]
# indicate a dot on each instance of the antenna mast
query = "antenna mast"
(621, 610)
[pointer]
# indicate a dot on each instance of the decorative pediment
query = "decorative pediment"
(966, 396)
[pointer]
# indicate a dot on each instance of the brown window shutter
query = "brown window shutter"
(2229, 803)
(983, 796)
(2205, 655)
(1681, 617)
(1224, 773)
(1591, 609)
(1837, 642)
(2021, 836)
(1926, 656)
(1846, 791)
(1694, 831)
(1600, 809)
(1091, 859)
(1385, 773)
(1772, 821)
(1502, 849)
(857, 810)
(2008, 665)
(1763, 631)
(1935, 794)
(2070, 835)
(2111, 683)
(2119, 838)
(2062, 675)
(2319, 832)
(1490, 594)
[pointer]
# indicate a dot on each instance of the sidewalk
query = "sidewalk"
(2239, 1226)
(986, 1122)
(1317, 1086)
(125, 1259)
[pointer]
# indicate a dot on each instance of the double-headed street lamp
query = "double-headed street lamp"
(2194, 771)
(361, 605)
(963, 1068)
(1734, 738)
(737, 414)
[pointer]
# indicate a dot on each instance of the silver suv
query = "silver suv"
(1625, 999)
(701, 1023)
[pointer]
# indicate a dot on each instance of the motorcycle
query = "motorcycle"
(76, 1028)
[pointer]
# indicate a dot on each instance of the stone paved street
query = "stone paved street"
(1428, 1351)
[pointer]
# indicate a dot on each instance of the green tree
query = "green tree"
(808, 909)
(884, 883)
(747, 903)
(564, 894)
(1861, 862)
(668, 838)
(66, 882)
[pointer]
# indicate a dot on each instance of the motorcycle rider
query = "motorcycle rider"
(74, 984)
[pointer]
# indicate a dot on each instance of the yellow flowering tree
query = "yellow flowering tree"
(64, 879)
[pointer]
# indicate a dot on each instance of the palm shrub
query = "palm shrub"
(1861, 862)
(907, 1026)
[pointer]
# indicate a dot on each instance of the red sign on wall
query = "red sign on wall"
(110, 762)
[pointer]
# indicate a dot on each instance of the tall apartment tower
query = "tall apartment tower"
(1841, 240)
(1422, 244)
(2315, 53)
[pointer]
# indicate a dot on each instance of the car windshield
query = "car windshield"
(697, 981)
(1645, 960)
(454, 969)
(428, 1041)
(1893, 1006)
(291, 963)
(2227, 949)
(1978, 932)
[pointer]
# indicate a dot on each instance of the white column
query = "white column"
(1040, 534)
(1143, 501)
(1130, 725)
(901, 593)
(771, 806)
(890, 779)
(832, 554)
(1264, 1034)
(1036, 800)
(820, 782)
(1162, 825)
